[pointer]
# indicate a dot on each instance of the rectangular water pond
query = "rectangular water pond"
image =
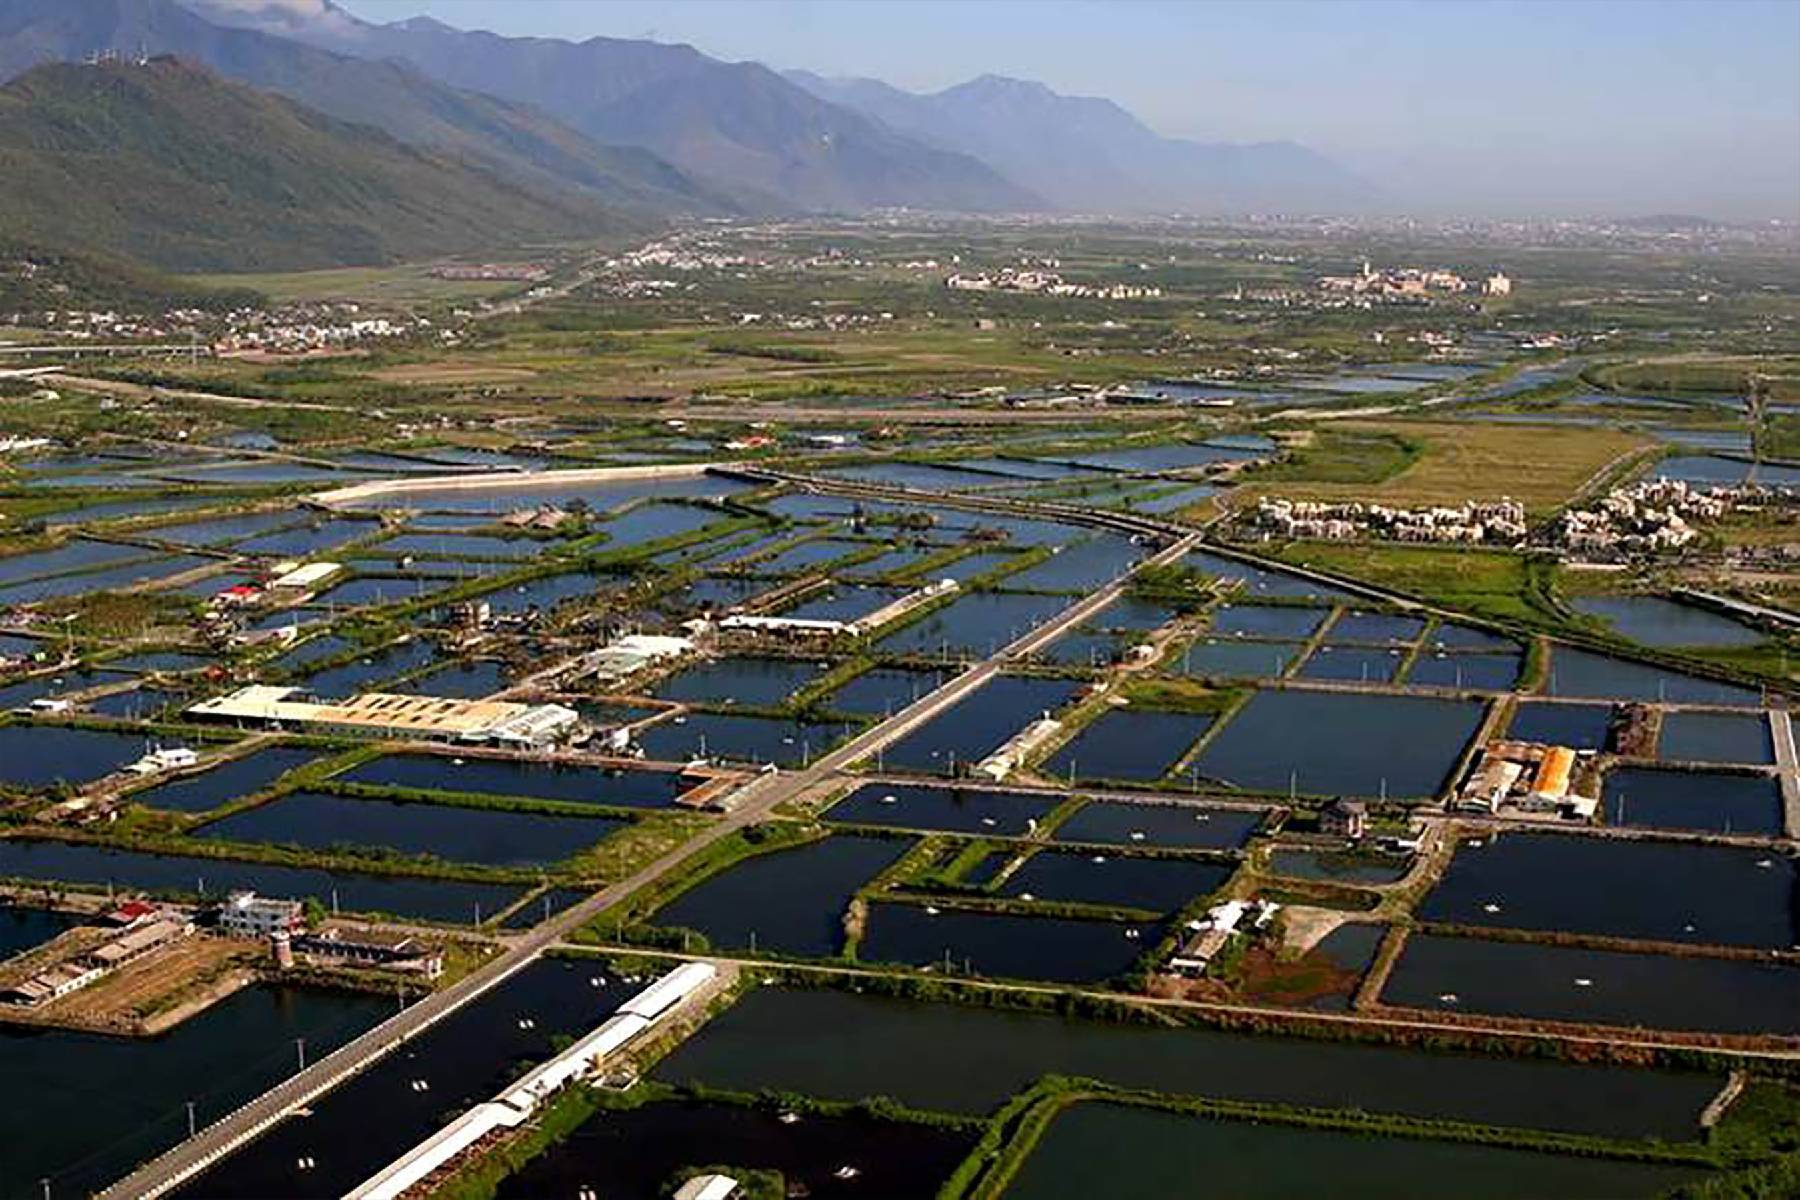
(844, 602)
(515, 777)
(226, 782)
(1217, 658)
(101, 1105)
(380, 1113)
(1715, 737)
(189, 875)
(1082, 567)
(637, 1152)
(1475, 672)
(1707, 801)
(950, 809)
(1264, 581)
(1158, 885)
(1351, 664)
(790, 901)
(1280, 622)
(1577, 726)
(1175, 826)
(1004, 945)
(491, 837)
(37, 756)
(1659, 891)
(1582, 673)
(1654, 621)
(1333, 743)
(978, 724)
(882, 691)
(738, 738)
(753, 682)
(1603, 987)
(842, 1046)
(978, 623)
(1131, 1153)
(1129, 744)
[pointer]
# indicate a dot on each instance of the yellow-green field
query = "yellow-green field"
(1542, 466)
(408, 284)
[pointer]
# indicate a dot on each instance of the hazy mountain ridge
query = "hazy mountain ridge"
(1083, 152)
(741, 126)
(172, 165)
(506, 139)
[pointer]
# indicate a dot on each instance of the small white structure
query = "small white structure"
(296, 577)
(248, 915)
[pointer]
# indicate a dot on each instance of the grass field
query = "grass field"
(1542, 466)
(409, 284)
(1489, 583)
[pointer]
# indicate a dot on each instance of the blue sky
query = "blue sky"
(1623, 106)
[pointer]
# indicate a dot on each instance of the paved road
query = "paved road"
(139, 391)
(1787, 763)
(760, 798)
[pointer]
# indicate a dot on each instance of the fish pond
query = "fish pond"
(1172, 826)
(1364, 745)
(978, 724)
(752, 682)
(625, 788)
(1658, 622)
(1132, 1153)
(1004, 945)
(1705, 801)
(226, 782)
(1605, 987)
(949, 809)
(1659, 891)
(791, 901)
(951, 1058)
(491, 837)
(1128, 744)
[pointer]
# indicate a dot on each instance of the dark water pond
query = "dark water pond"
(790, 901)
(365, 671)
(380, 1113)
(460, 545)
(844, 603)
(1658, 622)
(747, 739)
(972, 565)
(807, 555)
(376, 589)
(308, 540)
(96, 866)
(1210, 658)
(1356, 744)
(1264, 581)
(1607, 987)
(1477, 672)
(542, 908)
(1337, 867)
(1353, 664)
(1375, 628)
(1715, 737)
(1003, 945)
(632, 1155)
(885, 690)
(979, 623)
(492, 837)
(1580, 673)
(1708, 801)
(979, 724)
(942, 1056)
(100, 1105)
(459, 680)
(37, 756)
(1153, 884)
(77, 554)
(1081, 567)
(1128, 744)
(1281, 622)
(1661, 891)
(653, 522)
(1175, 826)
(127, 574)
(1128, 1153)
(1577, 726)
(755, 682)
(22, 929)
(229, 781)
(513, 777)
(546, 591)
(952, 809)
(1350, 948)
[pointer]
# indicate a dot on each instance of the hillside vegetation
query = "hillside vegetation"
(168, 164)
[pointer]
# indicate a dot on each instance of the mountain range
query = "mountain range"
(590, 136)
(171, 165)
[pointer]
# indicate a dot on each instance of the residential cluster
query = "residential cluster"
(1654, 516)
(1412, 281)
(1494, 522)
(1048, 283)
